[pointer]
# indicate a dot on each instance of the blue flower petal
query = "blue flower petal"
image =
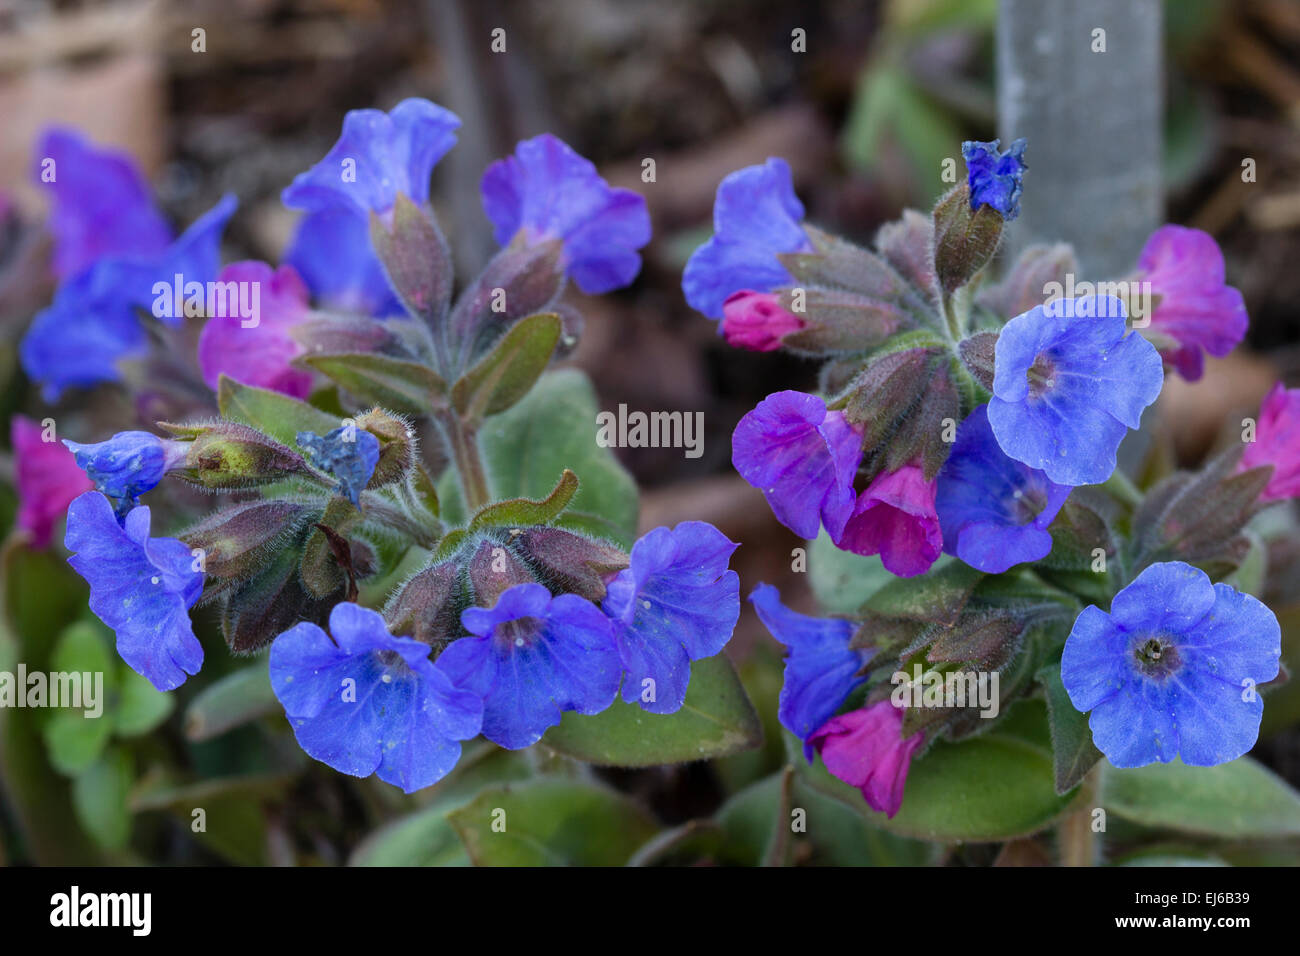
(331, 251)
(348, 454)
(675, 603)
(756, 215)
(377, 156)
(821, 669)
(534, 657)
(141, 587)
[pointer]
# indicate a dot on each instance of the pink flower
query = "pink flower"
(756, 321)
(258, 354)
(48, 478)
(895, 518)
(865, 748)
(1194, 307)
(1277, 443)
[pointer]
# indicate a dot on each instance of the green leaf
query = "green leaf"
(837, 834)
(398, 385)
(233, 701)
(552, 429)
(996, 786)
(232, 822)
(99, 796)
(521, 512)
(716, 719)
(277, 415)
(1241, 799)
(841, 580)
(934, 598)
(505, 374)
(551, 822)
(1073, 752)
(74, 740)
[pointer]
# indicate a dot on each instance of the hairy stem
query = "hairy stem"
(462, 443)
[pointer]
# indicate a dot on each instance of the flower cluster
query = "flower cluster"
(964, 416)
(516, 612)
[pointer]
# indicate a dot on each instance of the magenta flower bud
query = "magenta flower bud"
(1194, 306)
(865, 748)
(756, 321)
(896, 519)
(48, 479)
(1277, 443)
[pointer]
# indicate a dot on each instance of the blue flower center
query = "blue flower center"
(517, 633)
(1156, 655)
(1041, 375)
(395, 668)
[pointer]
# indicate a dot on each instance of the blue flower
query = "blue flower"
(331, 251)
(378, 156)
(1067, 385)
(756, 215)
(821, 669)
(127, 465)
(93, 323)
(347, 454)
(1172, 670)
(363, 701)
(141, 587)
(994, 177)
(101, 203)
(675, 603)
(533, 657)
(803, 458)
(994, 511)
(550, 192)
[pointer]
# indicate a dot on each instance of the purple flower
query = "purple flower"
(141, 587)
(803, 458)
(1172, 670)
(364, 701)
(347, 454)
(895, 518)
(94, 323)
(534, 657)
(47, 477)
(675, 603)
(994, 177)
(258, 354)
(1194, 306)
(865, 748)
(127, 465)
(378, 156)
(821, 669)
(550, 192)
(331, 251)
(1277, 443)
(101, 203)
(994, 510)
(1068, 384)
(756, 216)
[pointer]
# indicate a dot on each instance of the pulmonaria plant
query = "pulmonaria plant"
(982, 419)
(409, 602)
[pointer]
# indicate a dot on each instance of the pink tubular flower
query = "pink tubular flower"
(1195, 307)
(48, 478)
(756, 321)
(895, 518)
(865, 748)
(258, 350)
(1277, 443)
